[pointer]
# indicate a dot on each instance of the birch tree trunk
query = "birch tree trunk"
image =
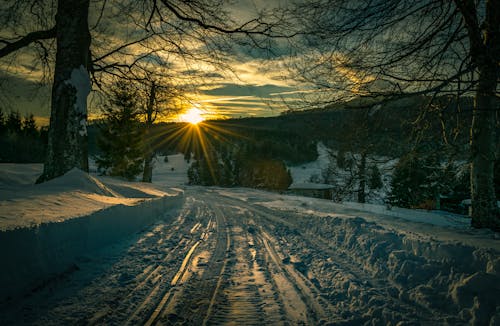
(67, 146)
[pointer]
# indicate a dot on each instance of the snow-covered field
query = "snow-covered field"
(96, 250)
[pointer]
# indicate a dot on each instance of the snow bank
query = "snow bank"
(77, 179)
(19, 174)
(72, 195)
(436, 275)
(440, 218)
(32, 255)
(45, 228)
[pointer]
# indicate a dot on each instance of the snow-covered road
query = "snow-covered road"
(225, 260)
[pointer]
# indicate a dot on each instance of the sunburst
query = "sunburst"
(193, 116)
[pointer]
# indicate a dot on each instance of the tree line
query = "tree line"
(21, 141)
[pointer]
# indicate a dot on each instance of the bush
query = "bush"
(266, 174)
(375, 179)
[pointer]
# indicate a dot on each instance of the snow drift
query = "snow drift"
(435, 275)
(44, 228)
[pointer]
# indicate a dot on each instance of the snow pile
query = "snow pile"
(77, 179)
(19, 174)
(44, 228)
(460, 279)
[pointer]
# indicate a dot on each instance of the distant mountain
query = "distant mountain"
(391, 126)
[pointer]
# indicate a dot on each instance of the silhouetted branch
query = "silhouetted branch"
(26, 40)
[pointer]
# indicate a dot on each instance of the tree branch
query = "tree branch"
(264, 29)
(27, 40)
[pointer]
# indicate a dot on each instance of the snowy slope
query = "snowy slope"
(303, 173)
(314, 172)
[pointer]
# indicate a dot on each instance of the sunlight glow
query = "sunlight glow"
(199, 140)
(193, 116)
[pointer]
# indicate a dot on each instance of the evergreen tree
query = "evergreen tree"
(2, 122)
(420, 180)
(14, 122)
(375, 180)
(121, 134)
(406, 183)
(29, 126)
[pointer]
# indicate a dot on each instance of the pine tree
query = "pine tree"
(407, 181)
(2, 122)
(29, 126)
(121, 134)
(375, 181)
(14, 123)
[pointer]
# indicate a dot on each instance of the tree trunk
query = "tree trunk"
(67, 145)
(147, 175)
(362, 179)
(484, 206)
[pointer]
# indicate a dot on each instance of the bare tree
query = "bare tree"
(190, 29)
(160, 103)
(394, 48)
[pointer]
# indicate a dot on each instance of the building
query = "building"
(316, 190)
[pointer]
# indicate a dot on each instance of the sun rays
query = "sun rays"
(198, 137)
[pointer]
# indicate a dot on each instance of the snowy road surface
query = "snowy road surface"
(224, 260)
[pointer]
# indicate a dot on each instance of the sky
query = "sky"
(255, 83)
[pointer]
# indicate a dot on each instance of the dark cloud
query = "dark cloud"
(202, 74)
(262, 91)
(23, 95)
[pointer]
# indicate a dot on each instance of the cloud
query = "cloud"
(202, 74)
(262, 91)
(24, 95)
(256, 80)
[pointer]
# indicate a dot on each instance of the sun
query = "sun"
(193, 116)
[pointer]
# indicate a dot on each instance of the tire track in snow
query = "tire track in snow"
(251, 294)
(344, 267)
(238, 297)
(181, 276)
(156, 273)
(195, 298)
(303, 300)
